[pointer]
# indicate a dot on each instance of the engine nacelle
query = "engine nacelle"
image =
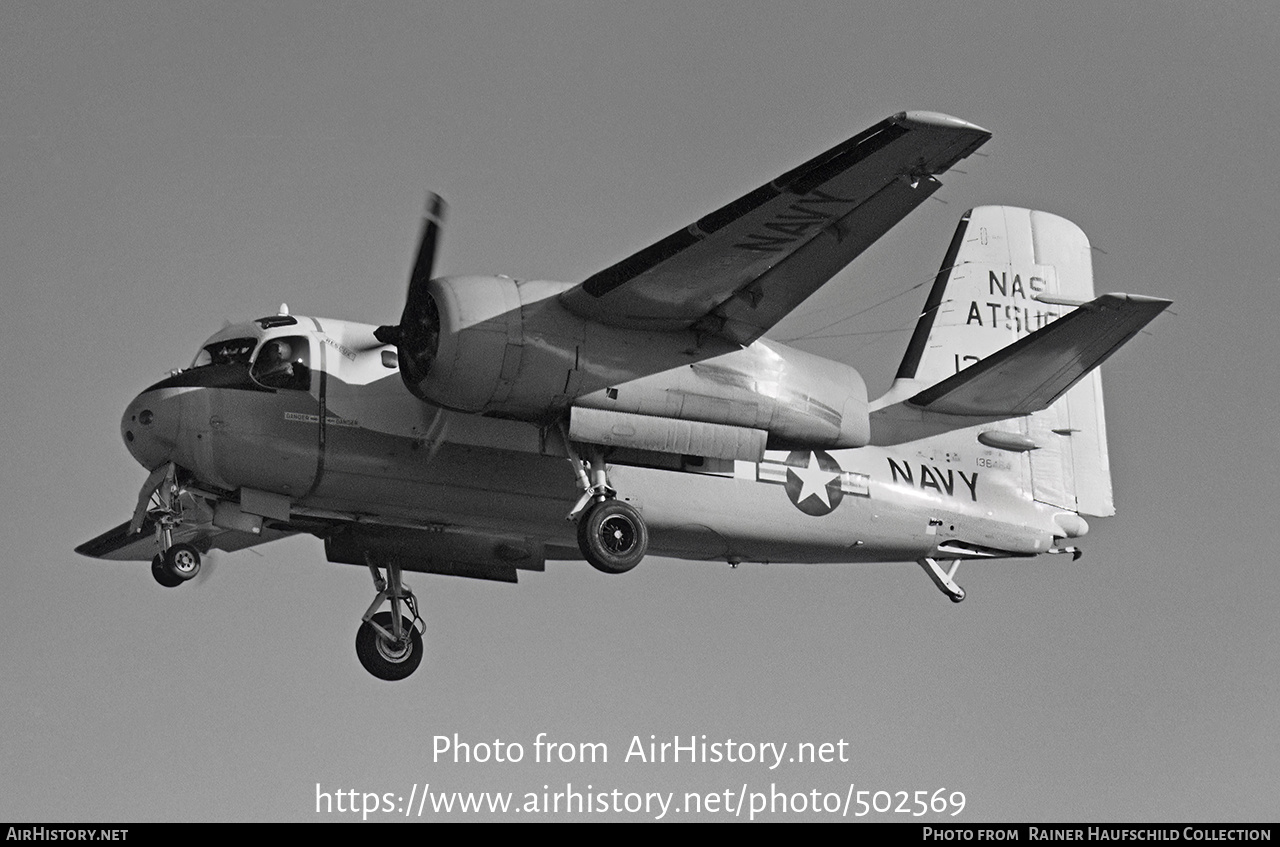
(497, 346)
(492, 345)
(467, 324)
(797, 399)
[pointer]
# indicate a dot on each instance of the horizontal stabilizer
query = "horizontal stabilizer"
(1033, 372)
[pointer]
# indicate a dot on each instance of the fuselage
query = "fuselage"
(313, 412)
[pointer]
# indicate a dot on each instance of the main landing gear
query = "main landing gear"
(612, 535)
(389, 644)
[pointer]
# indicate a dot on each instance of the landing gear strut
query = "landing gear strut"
(389, 644)
(945, 580)
(612, 535)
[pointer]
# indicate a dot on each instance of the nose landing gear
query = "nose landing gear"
(177, 563)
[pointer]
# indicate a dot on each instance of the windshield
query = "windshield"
(233, 351)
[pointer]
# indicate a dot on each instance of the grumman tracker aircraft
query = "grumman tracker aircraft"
(644, 404)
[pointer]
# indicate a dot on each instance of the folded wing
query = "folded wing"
(741, 269)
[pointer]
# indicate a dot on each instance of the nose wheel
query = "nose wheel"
(176, 565)
(389, 644)
(161, 575)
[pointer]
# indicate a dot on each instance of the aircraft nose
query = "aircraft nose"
(150, 426)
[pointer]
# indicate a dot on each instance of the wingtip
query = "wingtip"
(1157, 303)
(1143, 298)
(937, 119)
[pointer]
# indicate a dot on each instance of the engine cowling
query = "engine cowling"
(466, 325)
(487, 344)
(492, 345)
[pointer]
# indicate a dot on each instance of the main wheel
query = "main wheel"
(161, 575)
(612, 536)
(381, 656)
(181, 562)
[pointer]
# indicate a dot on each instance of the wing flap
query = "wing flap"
(1030, 374)
(814, 219)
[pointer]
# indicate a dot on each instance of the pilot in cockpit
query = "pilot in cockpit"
(276, 359)
(280, 365)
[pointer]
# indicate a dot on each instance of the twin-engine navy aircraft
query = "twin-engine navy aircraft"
(645, 405)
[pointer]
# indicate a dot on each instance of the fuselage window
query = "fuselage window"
(284, 363)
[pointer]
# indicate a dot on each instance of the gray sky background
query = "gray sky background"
(164, 166)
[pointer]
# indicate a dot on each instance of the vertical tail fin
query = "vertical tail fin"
(1008, 275)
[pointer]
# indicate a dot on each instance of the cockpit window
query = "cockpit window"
(233, 351)
(284, 363)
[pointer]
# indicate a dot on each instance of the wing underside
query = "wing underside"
(120, 544)
(451, 552)
(741, 269)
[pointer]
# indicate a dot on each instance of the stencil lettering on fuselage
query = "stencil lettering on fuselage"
(814, 481)
(346, 351)
(299, 417)
(951, 482)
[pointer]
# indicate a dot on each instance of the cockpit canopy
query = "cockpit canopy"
(283, 362)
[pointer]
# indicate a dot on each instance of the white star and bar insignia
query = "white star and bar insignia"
(815, 482)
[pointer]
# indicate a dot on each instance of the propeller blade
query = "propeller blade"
(432, 222)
